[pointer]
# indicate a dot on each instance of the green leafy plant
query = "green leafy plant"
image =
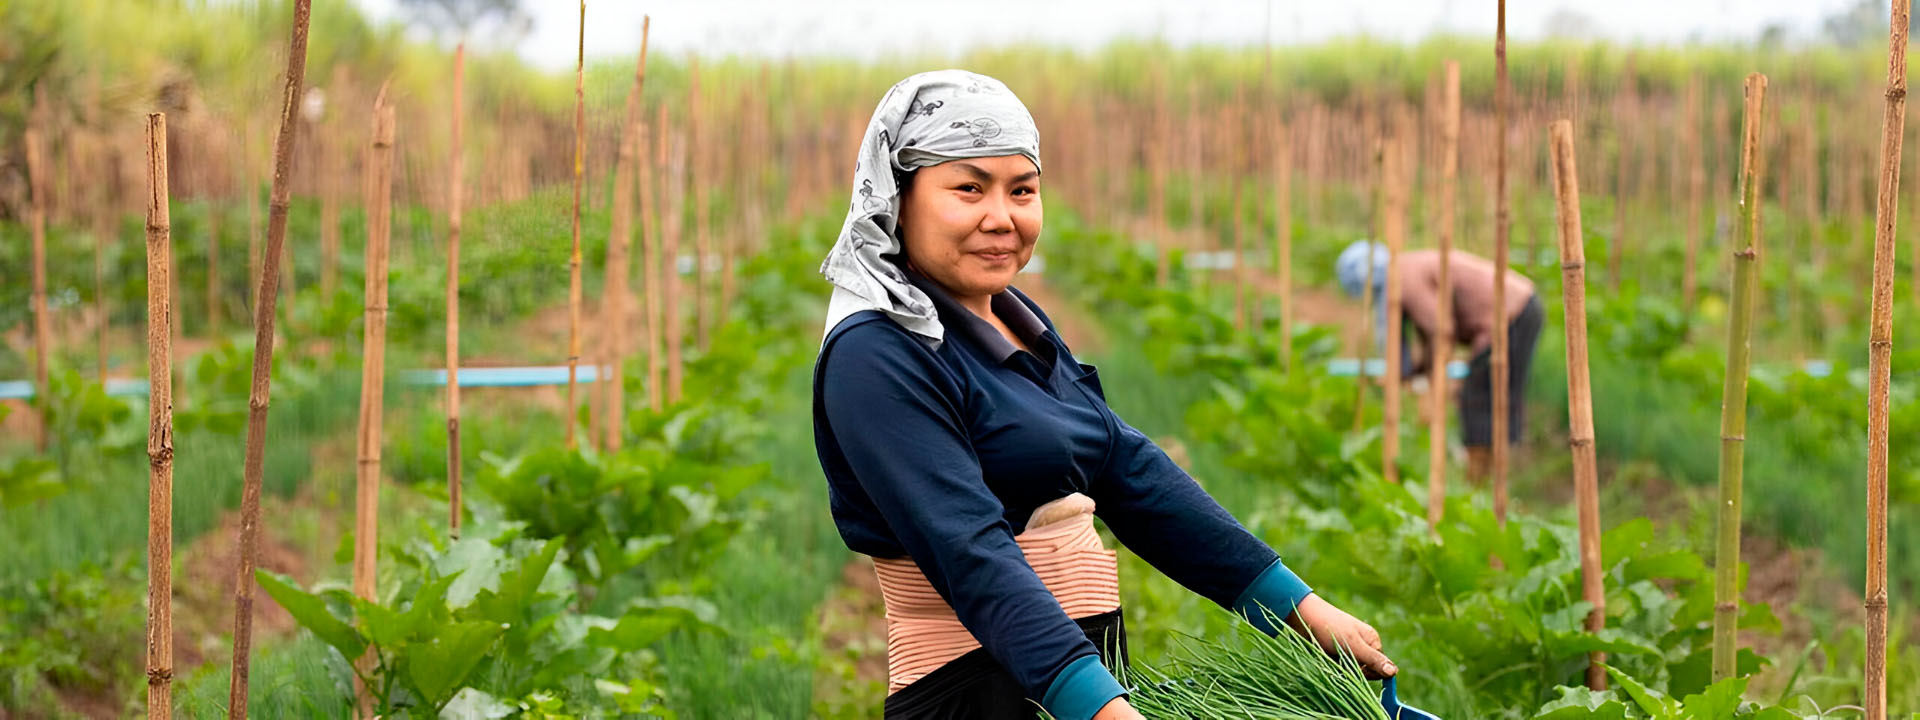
(492, 615)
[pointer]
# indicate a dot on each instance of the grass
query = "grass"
(105, 514)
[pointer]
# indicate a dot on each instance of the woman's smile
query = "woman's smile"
(970, 225)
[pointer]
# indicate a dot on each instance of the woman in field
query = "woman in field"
(967, 451)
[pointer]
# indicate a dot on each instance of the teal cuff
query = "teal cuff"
(1081, 690)
(1278, 590)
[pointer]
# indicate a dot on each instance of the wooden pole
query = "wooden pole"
(652, 272)
(1502, 224)
(1880, 362)
(263, 366)
(254, 257)
(329, 209)
(1733, 405)
(1586, 478)
(456, 174)
(1393, 226)
(1239, 227)
(379, 197)
(1283, 241)
(1366, 291)
(159, 426)
(1440, 346)
(1696, 188)
(378, 184)
(699, 179)
(674, 197)
(37, 228)
(106, 226)
(1160, 160)
(1627, 104)
(213, 264)
(573, 260)
(1239, 250)
(621, 231)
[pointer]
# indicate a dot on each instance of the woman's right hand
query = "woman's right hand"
(1118, 709)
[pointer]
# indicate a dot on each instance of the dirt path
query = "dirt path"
(851, 678)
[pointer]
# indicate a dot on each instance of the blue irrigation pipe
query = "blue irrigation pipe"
(1350, 367)
(469, 377)
(534, 376)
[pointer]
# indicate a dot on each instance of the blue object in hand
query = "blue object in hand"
(1390, 700)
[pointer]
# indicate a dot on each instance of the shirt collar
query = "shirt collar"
(1009, 308)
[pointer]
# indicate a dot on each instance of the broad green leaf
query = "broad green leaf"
(311, 612)
(383, 626)
(1651, 701)
(471, 704)
(648, 620)
(1718, 701)
(441, 665)
(517, 587)
(1578, 703)
(429, 606)
(478, 563)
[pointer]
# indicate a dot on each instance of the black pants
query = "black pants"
(1476, 396)
(975, 687)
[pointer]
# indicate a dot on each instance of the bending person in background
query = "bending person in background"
(1470, 282)
(967, 451)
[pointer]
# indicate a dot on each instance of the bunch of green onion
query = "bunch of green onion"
(1256, 677)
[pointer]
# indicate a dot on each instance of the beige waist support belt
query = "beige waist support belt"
(1061, 545)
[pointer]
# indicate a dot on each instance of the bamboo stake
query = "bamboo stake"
(159, 426)
(1501, 226)
(1240, 311)
(254, 258)
(1366, 291)
(1586, 478)
(1880, 361)
(329, 167)
(674, 197)
(379, 194)
(573, 260)
(1733, 406)
(1283, 242)
(1628, 103)
(699, 179)
(1239, 227)
(378, 186)
(456, 175)
(263, 365)
(213, 265)
(729, 241)
(1440, 346)
(1810, 204)
(1393, 226)
(1160, 161)
(651, 271)
(37, 227)
(1696, 188)
(105, 226)
(615, 309)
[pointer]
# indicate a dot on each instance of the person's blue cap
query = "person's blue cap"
(1352, 266)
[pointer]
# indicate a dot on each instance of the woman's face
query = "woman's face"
(971, 224)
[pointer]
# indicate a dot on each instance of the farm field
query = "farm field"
(617, 510)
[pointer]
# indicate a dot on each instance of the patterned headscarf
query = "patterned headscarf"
(925, 120)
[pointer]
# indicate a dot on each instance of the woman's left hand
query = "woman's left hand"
(1333, 628)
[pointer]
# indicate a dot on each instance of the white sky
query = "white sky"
(870, 28)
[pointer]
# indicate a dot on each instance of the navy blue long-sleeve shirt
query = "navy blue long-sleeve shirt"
(941, 454)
